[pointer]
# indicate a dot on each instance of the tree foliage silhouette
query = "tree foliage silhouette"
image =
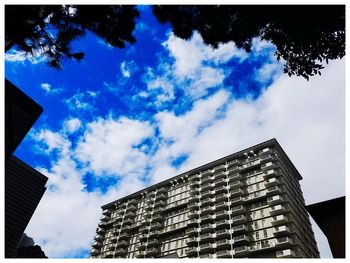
(304, 35)
(50, 29)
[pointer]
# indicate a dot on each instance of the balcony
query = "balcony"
(249, 165)
(195, 191)
(143, 237)
(208, 201)
(120, 252)
(240, 228)
(192, 222)
(274, 190)
(221, 189)
(194, 177)
(192, 231)
(193, 206)
(223, 243)
(237, 210)
(271, 173)
(259, 247)
(241, 251)
(267, 158)
(125, 228)
(235, 184)
(287, 253)
(222, 233)
(234, 176)
(114, 237)
(207, 193)
(141, 254)
(153, 242)
(207, 186)
(194, 184)
(233, 170)
(193, 198)
(207, 255)
(105, 218)
(106, 212)
(206, 210)
(207, 228)
(276, 199)
(239, 219)
(192, 241)
(109, 247)
(161, 196)
(207, 237)
(131, 208)
(156, 225)
(122, 243)
(207, 179)
(124, 235)
(223, 254)
(192, 251)
(278, 220)
(277, 209)
(234, 162)
(207, 247)
(148, 208)
(241, 239)
(222, 223)
(100, 230)
(162, 190)
(108, 254)
(158, 210)
(219, 175)
(272, 182)
(96, 244)
(221, 167)
(222, 214)
(281, 230)
(207, 217)
(206, 172)
(193, 214)
(221, 181)
(221, 197)
(94, 252)
(144, 222)
(153, 233)
(128, 221)
(268, 166)
(98, 237)
(237, 200)
(236, 192)
(157, 217)
(221, 205)
(283, 242)
(160, 203)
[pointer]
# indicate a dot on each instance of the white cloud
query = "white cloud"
(51, 141)
(80, 101)
(72, 125)
(127, 68)
(108, 146)
(49, 89)
(21, 56)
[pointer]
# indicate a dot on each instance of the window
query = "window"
(256, 226)
(265, 233)
(257, 235)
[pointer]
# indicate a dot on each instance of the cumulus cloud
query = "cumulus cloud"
(80, 101)
(109, 146)
(72, 125)
(190, 66)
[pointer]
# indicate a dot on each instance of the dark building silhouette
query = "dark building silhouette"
(330, 217)
(27, 248)
(21, 112)
(24, 186)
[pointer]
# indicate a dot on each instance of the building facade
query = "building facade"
(248, 204)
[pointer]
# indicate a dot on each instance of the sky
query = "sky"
(123, 119)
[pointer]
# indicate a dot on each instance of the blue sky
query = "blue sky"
(122, 119)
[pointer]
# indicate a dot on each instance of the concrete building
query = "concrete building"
(248, 204)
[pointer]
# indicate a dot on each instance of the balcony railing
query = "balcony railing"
(220, 174)
(241, 238)
(223, 242)
(275, 199)
(237, 209)
(234, 162)
(239, 219)
(284, 242)
(98, 237)
(280, 219)
(206, 172)
(268, 166)
(281, 230)
(207, 236)
(277, 209)
(207, 228)
(236, 192)
(96, 244)
(271, 182)
(222, 233)
(240, 228)
(222, 214)
(287, 253)
(223, 253)
(241, 250)
(94, 252)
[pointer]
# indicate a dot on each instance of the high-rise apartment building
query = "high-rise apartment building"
(248, 204)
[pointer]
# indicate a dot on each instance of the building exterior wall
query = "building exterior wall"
(248, 204)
